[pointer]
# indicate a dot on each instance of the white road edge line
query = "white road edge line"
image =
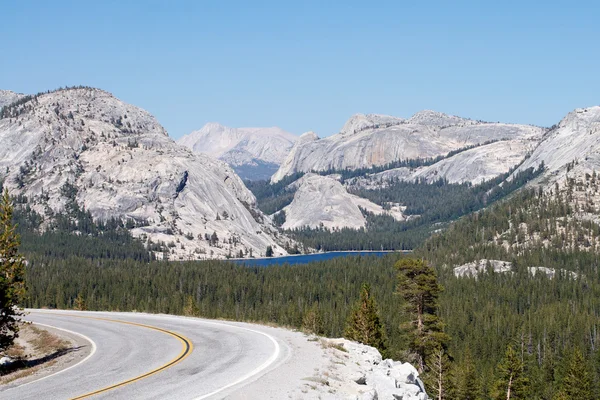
(256, 371)
(68, 368)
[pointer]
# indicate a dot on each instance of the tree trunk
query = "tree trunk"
(509, 386)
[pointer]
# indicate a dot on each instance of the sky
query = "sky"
(310, 65)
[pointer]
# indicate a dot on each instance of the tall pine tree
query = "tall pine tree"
(577, 383)
(418, 286)
(512, 383)
(12, 276)
(364, 324)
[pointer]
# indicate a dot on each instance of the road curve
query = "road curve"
(146, 356)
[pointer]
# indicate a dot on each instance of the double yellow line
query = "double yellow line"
(186, 350)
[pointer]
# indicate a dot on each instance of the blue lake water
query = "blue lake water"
(307, 258)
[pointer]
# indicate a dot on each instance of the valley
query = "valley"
(105, 202)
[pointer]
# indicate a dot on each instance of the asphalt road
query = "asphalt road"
(145, 356)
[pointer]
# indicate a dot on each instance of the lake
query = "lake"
(308, 258)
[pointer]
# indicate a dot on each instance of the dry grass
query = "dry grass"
(46, 343)
(34, 349)
(327, 344)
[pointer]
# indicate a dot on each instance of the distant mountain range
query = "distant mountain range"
(115, 160)
(254, 153)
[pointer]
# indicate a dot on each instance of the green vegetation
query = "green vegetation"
(433, 207)
(499, 328)
(364, 323)
(419, 288)
(12, 276)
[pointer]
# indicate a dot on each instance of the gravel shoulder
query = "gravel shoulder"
(41, 351)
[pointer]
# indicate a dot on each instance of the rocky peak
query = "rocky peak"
(255, 153)
(306, 137)
(7, 97)
(435, 118)
(360, 122)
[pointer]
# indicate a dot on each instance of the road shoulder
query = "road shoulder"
(44, 351)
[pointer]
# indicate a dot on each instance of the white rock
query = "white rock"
(5, 360)
(366, 141)
(124, 165)
(498, 266)
(7, 97)
(475, 267)
(241, 147)
(381, 379)
(576, 138)
(474, 166)
(361, 122)
(370, 395)
(322, 200)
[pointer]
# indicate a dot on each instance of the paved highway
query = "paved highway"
(145, 356)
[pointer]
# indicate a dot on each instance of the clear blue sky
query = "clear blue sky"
(303, 65)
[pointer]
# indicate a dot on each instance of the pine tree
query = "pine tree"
(364, 324)
(466, 379)
(12, 276)
(80, 302)
(438, 377)
(418, 286)
(312, 321)
(512, 383)
(190, 308)
(269, 252)
(577, 383)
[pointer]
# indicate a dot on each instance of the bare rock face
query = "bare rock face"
(7, 97)
(322, 200)
(475, 166)
(372, 140)
(357, 371)
(245, 149)
(361, 122)
(117, 161)
(473, 269)
(573, 145)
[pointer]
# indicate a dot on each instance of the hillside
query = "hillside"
(7, 97)
(254, 153)
(83, 149)
(322, 201)
(372, 140)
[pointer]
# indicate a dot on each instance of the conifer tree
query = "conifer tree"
(79, 303)
(190, 308)
(418, 286)
(12, 276)
(439, 377)
(512, 383)
(466, 379)
(577, 383)
(364, 324)
(312, 321)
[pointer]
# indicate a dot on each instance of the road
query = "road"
(145, 356)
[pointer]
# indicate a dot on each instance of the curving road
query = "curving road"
(145, 356)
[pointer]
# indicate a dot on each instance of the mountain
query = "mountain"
(374, 140)
(84, 148)
(475, 165)
(569, 149)
(7, 97)
(323, 201)
(254, 153)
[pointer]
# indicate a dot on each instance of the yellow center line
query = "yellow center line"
(187, 348)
